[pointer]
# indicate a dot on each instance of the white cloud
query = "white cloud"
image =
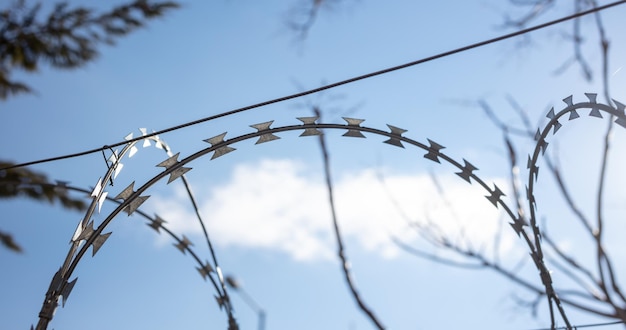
(279, 205)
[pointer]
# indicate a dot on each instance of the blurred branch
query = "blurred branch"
(304, 14)
(536, 8)
(235, 285)
(602, 255)
(302, 18)
(512, 275)
(7, 240)
(15, 183)
(573, 264)
(340, 246)
(434, 257)
(22, 182)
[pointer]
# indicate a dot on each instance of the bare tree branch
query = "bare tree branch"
(345, 264)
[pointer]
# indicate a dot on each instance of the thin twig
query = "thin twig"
(345, 264)
(603, 259)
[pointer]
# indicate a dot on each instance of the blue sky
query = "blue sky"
(265, 204)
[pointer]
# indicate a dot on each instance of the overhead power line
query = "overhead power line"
(330, 86)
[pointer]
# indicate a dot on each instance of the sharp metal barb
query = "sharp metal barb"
(494, 198)
(220, 301)
(265, 127)
(592, 97)
(205, 270)
(543, 142)
(551, 115)
(57, 281)
(183, 244)
(557, 126)
(67, 290)
(620, 106)
(169, 163)
(621, 121)
(353, 122)
(537, 135)
(394, 140)
(126, 192)
(219, 151)
(518, 226)
(595, 112)
(97, 243)
(101, 200)
(86, 232)
(544, 146)
(530, 197)
(146, 141)
(569, 101)
(158, 143)
(177, 173)
(467, 170)
(78, 231)
(97, 188)
(573, 115)
(433, 151)
(216, 139)
(134, 204)
(311, 131)
(532, 168)
(118, 168)
(156, 224)
(133, 149)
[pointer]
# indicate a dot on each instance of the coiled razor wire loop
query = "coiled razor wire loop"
(554, 125)
(155, 223)
(60, 285)
(132, 199)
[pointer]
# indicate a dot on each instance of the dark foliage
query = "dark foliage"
(66, 38)
(7, 240)
(22, 182)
